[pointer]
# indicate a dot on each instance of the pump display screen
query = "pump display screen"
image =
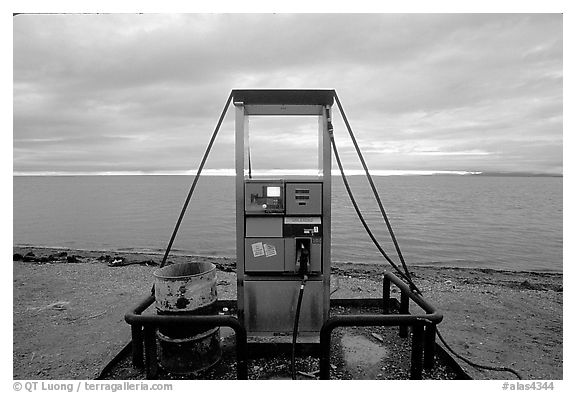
(264, 197)
(273, 192)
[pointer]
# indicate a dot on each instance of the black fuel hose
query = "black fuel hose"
(406, 275)
(372, 186)
(476, 365)
(296, 322)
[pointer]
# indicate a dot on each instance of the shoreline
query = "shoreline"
(69, 317)
(367, 265)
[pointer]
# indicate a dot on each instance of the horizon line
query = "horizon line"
(227, 172)
(276, 172)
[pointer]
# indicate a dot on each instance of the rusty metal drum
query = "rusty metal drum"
(190, 354)
(187, 289)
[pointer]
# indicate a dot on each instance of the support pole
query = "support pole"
(386, 295)
(325, 338)
(150, 347)
(404, 309)
(417, 349)
(241, 353)
(429, 345)
(137, 346)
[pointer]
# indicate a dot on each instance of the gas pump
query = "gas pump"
(283, 225)
(283, 235)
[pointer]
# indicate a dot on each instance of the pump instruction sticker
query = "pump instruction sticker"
(270, 250)
(257, 249)
(263, 249)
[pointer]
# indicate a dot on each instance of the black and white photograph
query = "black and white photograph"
(287, 196)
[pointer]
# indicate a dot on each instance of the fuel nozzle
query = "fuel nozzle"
(303, 255)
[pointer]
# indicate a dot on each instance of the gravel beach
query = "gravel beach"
(69, 310)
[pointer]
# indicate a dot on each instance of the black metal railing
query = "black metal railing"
(144, 334)
(423, 327)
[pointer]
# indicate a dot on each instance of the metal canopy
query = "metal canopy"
(284, 97)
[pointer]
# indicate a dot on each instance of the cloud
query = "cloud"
(143, 92)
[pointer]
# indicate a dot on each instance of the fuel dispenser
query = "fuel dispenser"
(283, 225)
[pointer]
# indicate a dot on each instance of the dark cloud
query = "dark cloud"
(143, 92)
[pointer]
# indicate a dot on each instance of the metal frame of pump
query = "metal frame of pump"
(264, 296)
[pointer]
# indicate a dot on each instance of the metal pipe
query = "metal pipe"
(193, 186)
(137, 332)
(363, 320)
(376, 320)
(431, 318)
(142, 306)
(151, 322)
(404, 288)
(184, 320)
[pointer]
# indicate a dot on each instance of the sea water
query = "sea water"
(507, 223)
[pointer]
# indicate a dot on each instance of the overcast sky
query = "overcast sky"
(142, 93)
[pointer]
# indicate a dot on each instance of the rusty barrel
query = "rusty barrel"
(187, 289)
